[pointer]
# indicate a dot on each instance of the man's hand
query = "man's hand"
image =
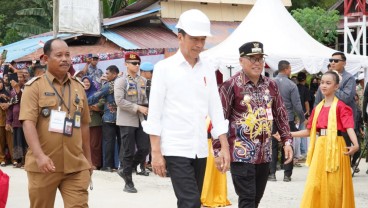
(288, 154)
(158, 164)
(222, 162)
(8, 127)
(143, 110)
(45, 164)
(277, 136)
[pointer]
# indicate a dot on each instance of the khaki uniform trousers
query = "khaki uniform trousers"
(72, 186)
(6, 137)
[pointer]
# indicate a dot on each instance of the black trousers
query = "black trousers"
(187, 177)
(110, 132)
(132, 137)
(288, 168)
(249, 182)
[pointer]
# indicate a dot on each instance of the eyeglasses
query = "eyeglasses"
(135, 63)
(254, 59)
(335, 60)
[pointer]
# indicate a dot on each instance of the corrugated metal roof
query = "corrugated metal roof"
(219, 29)
(116, 21)
(27, 46)
(119, 40)
(142, 37)
(102, 46)
(136, 7)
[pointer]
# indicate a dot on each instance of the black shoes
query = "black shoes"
(129, 185)
(272, 177)
(106, 169)
(129, 189)
(287, 178)
(142, 171)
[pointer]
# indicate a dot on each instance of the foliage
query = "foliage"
(34, 20)
(319, 23)
(301, 4)
(110, 7)
(11, 36)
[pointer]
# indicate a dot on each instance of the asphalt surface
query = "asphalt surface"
(156, 192)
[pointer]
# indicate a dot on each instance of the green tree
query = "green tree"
(110, 7)
(301, 4)
(34, 20)
(11, 36)
(319, 23)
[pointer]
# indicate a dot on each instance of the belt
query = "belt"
(323, 132)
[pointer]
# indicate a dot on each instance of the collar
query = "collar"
(179, 57)
(283, 75)
(52, 77)
(246, 78)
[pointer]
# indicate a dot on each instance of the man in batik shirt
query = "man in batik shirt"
(251, 102)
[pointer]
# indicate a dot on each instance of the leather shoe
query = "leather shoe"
(130, 189)
(272, 177)
(287, 178)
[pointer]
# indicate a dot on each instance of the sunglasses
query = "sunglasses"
(135, 63)
(335, 60)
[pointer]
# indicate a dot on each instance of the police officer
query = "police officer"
(131, 99)
(146, 72)
(55, 116)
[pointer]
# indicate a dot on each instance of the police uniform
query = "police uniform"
(40, 100)
(130, 93)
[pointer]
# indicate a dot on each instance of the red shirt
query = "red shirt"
(344, 116)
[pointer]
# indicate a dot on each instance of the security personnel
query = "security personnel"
(55, 116)
(146, 72)
(130, 97)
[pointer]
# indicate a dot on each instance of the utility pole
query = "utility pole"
(55, 17)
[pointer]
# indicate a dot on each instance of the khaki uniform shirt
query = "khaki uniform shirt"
(129, 93)
(66, 152)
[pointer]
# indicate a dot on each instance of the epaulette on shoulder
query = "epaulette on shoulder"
(80, 82)
(32, 80)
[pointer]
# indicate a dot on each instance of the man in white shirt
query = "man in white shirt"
(183, 92)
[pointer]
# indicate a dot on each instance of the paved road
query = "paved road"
(157, 192)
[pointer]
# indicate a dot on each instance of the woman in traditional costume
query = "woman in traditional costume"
(329, 182)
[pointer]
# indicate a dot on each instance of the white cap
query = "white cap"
(194, 23)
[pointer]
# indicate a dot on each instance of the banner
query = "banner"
(80, 16)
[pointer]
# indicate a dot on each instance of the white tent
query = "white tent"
(283, 38)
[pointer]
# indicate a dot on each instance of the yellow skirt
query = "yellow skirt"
(329, 190)
(214, 191)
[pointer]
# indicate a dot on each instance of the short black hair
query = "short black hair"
(343, 57)
(47, 47)
(301, 76)
(283, 64)
(113, 69)
(181, 31)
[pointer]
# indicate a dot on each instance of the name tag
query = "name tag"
(269, 114)
(57, 120)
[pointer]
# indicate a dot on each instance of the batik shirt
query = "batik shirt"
(251, 109)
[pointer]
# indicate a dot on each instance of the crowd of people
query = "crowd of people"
(55, 120)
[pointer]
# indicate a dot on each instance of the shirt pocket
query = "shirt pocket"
(46, 105)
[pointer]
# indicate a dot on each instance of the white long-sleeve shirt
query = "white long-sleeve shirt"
(181, 98)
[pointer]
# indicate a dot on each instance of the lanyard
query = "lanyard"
(61, 100)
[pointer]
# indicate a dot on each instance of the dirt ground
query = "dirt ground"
(156, 192)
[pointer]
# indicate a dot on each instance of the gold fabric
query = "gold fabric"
(329, 182)
(214, 192)
(331, 160)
